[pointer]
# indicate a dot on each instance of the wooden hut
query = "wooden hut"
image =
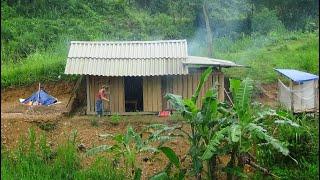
(301, 94)
(140, 73)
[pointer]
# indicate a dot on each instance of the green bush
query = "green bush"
(302, 143)
(266, 21)
(115, 119)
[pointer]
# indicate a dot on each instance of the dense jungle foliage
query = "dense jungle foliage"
(35, 34)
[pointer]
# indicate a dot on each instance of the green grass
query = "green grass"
(294, 50)
(303, 145)
(261, 53)
(39, 66)
(39, 162)
(35, 41)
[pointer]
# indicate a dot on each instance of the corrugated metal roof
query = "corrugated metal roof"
(127, 58)
(128, 49)
(297, 76)
(134, 58)
(205, 61)
(125, 67)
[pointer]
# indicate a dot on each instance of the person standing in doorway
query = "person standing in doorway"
(99, 103)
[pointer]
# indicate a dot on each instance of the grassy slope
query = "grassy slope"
(293, 50)
(262, 53)
(34, 45)
(41, 40)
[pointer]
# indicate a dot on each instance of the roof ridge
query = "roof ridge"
(127, 42)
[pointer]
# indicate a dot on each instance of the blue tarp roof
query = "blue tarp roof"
(297, 76)
(42, 97)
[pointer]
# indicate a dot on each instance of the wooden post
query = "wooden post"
(221, 86)
(88, 95)
(291, 96)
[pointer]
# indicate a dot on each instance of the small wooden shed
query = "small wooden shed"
(301, 94)
(140, 73)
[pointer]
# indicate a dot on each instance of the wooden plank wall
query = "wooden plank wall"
(116, 93)
(185, 85)
(154, 89)
(152, 99)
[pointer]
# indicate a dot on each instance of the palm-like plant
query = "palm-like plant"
(127, 147)
(245, 130)
(204, 123)
(239, 127)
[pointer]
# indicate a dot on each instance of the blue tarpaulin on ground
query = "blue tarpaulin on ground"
(297, 76)
(41, 97)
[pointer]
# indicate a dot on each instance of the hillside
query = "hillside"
(35, 35)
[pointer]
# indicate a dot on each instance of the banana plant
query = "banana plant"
(131, 144)
(204, 122)
(173, 160)
(127, 147)
(245, 130)
(239, 127)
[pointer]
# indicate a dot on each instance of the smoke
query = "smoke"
(197, 45)
(228, 22)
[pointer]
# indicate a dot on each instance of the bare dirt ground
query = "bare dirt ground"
(268, 95)
(16, 119)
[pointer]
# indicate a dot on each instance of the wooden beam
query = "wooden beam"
(190, 88)
(121, 95)
(221, 87)
(154, 93)
(92, 93)
(159, 95)
(149, 96)
(88, 94)
(185, 86)
(164, 87)
(291, 96)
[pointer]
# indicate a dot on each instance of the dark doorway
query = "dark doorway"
(133, 94)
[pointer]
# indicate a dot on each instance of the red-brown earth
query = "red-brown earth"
(16, 119)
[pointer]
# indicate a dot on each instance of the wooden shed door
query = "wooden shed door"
(152, 100)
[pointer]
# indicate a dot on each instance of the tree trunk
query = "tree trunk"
(209, 33)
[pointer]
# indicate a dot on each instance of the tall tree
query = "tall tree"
(208, 28)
